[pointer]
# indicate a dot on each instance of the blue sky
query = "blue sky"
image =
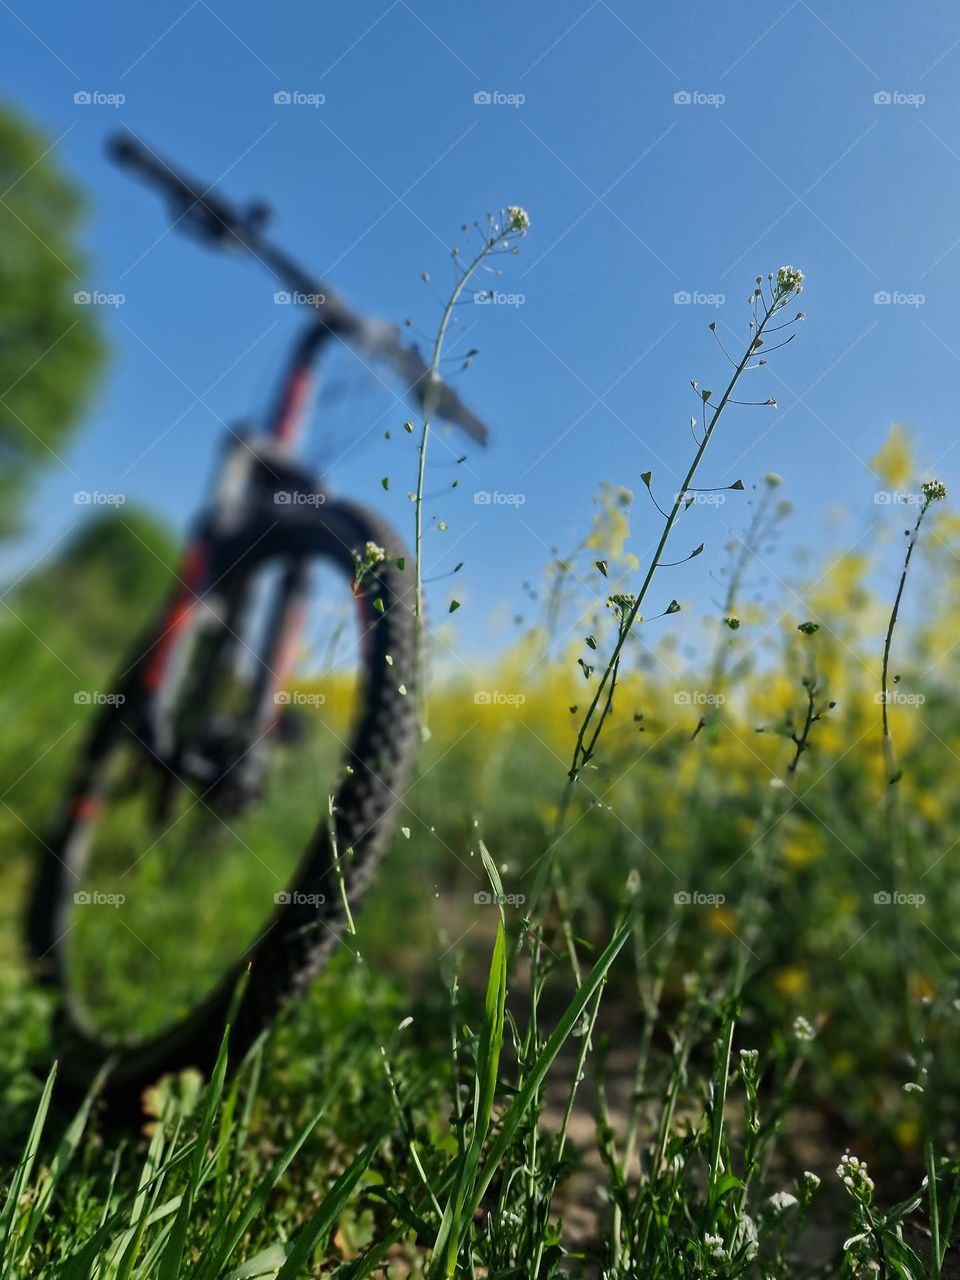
(783, 155)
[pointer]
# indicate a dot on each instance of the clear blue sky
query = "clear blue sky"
(633, 197)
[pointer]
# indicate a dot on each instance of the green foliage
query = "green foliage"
(50, 348)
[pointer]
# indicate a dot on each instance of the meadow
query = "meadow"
(675, 999)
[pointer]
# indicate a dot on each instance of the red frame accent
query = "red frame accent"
(296, 392)
(194, 566)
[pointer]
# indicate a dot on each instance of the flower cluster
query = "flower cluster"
(853, 1173)
(518, 219)
(789, 280)
(714, 1246)
(802, 1029)
(622, 602)
(934, 490)
(373, 554)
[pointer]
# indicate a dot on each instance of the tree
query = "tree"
(51, 349)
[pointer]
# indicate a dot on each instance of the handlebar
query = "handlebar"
(216, 220)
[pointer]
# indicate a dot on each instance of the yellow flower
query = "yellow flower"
(893, 464)
(790, 980)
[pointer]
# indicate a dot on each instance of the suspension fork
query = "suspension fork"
(284, 630)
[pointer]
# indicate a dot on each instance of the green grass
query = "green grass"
(648, 1061)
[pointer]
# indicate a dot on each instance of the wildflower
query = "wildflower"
(781, 1200)
(934, 490)
(372, 554)
(714, 1246)
(519, 219)
(733, 623)
(622, 603)
(810, 1180)
(402, 1026)
(789, 280)
(772, 480)
(853, 1173)
(802, 1029)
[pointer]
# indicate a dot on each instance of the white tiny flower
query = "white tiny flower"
(781, 1200)
(789, 280)
(519, 218)
(405, 1023)
(811, 1180)
(373, 554)
(802, 1029)
(714, 1245)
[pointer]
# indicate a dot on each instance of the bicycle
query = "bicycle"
(191, 741)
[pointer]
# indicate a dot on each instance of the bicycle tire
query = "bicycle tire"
(300, 937)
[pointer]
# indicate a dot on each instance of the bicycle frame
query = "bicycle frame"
(239, 476)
